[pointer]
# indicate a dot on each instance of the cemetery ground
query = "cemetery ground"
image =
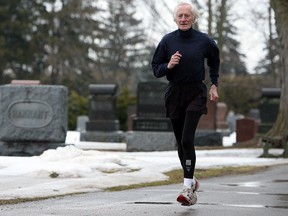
(262, 193)
(72, 170)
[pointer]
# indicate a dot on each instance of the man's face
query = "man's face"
(184, 17)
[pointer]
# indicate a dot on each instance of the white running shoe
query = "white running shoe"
(187, 196)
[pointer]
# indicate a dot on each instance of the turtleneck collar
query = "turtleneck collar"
(185, 34)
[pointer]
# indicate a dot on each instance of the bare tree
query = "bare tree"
(280, 8)
(158, 22)
(210, 17)
(123, 47)
(262, 19)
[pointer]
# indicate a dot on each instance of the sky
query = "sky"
(84, 167)
(252, 31)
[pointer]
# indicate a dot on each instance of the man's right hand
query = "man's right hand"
(174, 60)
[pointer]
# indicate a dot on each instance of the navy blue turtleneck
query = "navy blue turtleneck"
(195, 47)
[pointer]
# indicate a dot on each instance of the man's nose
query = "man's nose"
(183, 18)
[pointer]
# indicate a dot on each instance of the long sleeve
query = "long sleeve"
(159, 61)
(213, 62)
(194, 48)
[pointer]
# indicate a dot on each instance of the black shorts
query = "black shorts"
(180, 98)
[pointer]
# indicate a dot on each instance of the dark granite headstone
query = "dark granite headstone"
(151, 130)
(269, 108)
(142, 124)
(103, 125)
(150, 100)
(151, 108)
(102, 112)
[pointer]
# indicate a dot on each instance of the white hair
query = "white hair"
(194, 11)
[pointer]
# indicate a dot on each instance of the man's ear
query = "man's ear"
(194, 20)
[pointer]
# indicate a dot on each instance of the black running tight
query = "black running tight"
(184, 130)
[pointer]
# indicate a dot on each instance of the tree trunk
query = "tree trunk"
(210, 17)
(280, 8)
(220, 29)
(270, 48)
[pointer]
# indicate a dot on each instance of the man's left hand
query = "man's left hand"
(213, 94)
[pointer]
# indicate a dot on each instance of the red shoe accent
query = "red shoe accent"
(196, 185)
(183, 200)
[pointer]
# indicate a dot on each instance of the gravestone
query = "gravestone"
(33, 118)
(150, 117)
(151, 130)
(254, 114)
(131, 114)
(221, 116)
(103, 125)
(231, 120)
(269, 108)
(246, 129)
(81, 123)
(151, 108)
(208, 121)
(102, 112)
(206, 133)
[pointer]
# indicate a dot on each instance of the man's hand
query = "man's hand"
(213, 94)
(174, 60)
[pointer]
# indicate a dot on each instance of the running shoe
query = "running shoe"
(187, 196)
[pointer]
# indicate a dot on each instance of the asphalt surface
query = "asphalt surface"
(263, 193)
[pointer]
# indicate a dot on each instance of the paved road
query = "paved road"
(260, 194)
